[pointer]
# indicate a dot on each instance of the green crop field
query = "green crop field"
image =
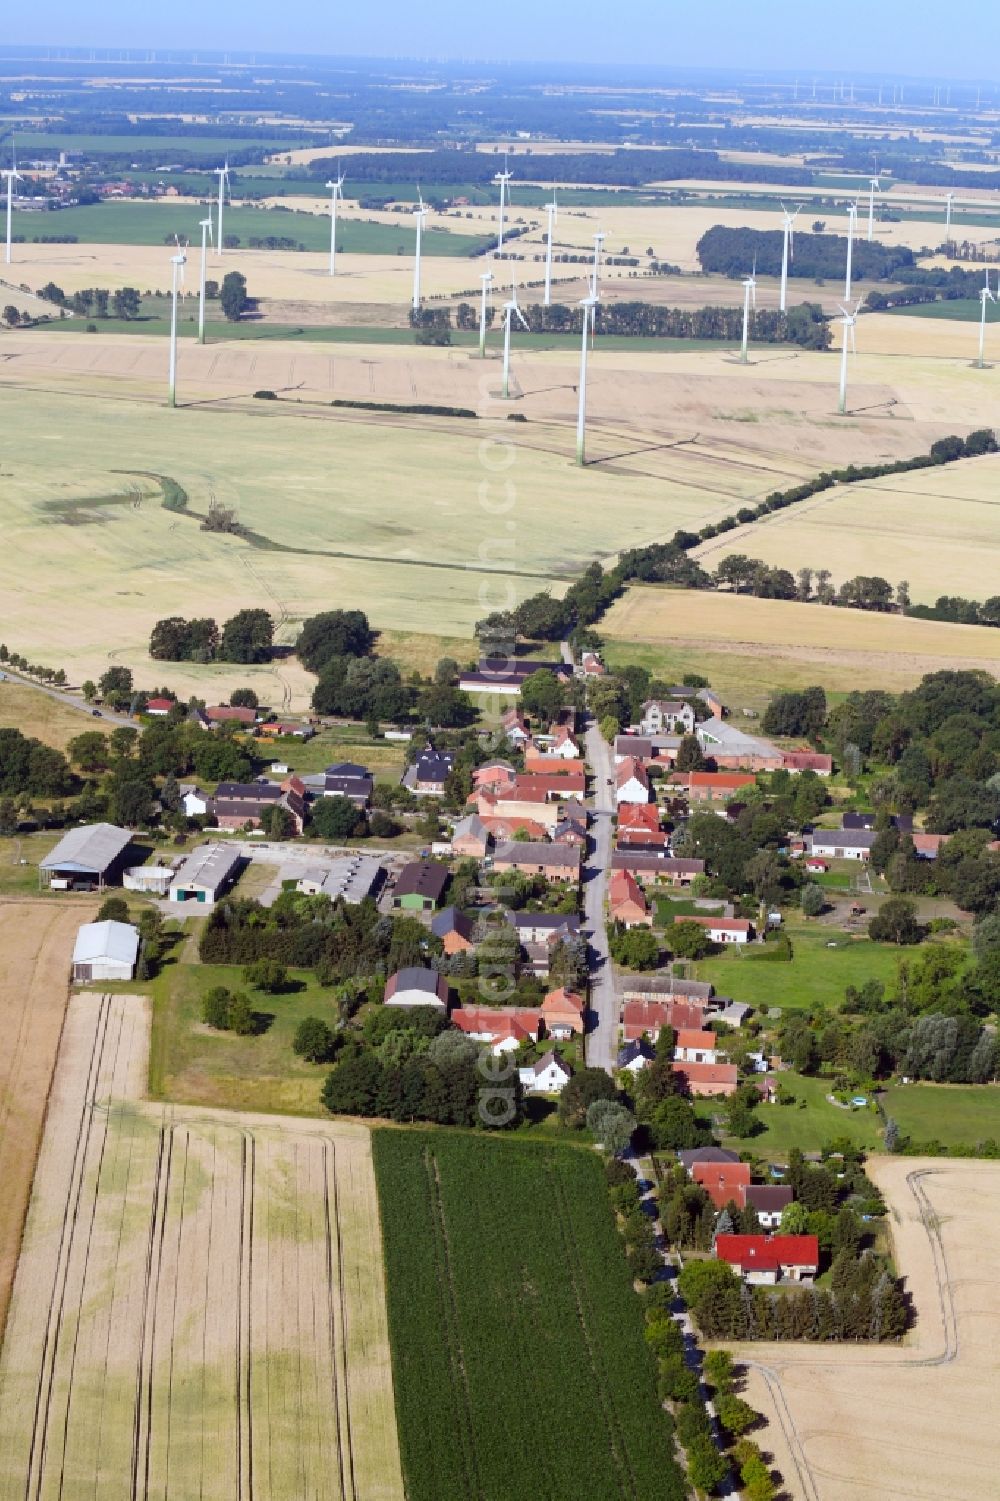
(518, 1354)
(956, 1115)
(956, 309)
(815, 976)
(157, 223)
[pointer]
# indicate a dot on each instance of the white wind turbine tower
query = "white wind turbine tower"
(852, 230)
(510, 310)
(550, 209)
(947, 213)
(419, 215)
(177, 262)
(336, 186)
(787, 250)
(222, 173)
(848, 321)
(205, 225)
(874, 187)
(589, 306)
(486, 277)
(12, 175)
(503, 178)
(749, 291)
(986, 295)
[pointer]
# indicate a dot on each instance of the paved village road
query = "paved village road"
(602, 1041)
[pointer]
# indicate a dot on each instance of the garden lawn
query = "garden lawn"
(667, 909)
(342, 742)
(519, 1363)
(809, 1126)
(815, 976)
(956, 1115)
(192, 1065)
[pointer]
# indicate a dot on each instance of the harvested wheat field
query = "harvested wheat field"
(791, 644)
(36, 941)
(937, 528)
(199, 1308)
(913, 1423)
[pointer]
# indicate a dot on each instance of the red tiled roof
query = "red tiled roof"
(724, 924)
(521, 1023)
(538, 788)
(644, 816)
(563, 1000)
(721, 779)
(688, 1037)
(163, 704)
(722, 1181)
(707, 1073)
(506, 828)
(230, 711)
(649, 1016)
(769, 1253)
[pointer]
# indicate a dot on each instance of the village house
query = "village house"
(503, 830)
(561, 743)
(646, 1018)
(416, 986)
(626, 902)
(695, 1045)
(765, 1260)
(591, 665)
(549, 1075)
(556, 862)
(237, 805)
(419, 886)
(348, 779)
(796, 761)
(159, 707)
(667, 986)
(507, 804)
(722, 929)
(691, 1156)
(631, 783)
(734, 1014)
(842, 844)
(570, 829)
(722, 1181)
(708, 1079)
(539, 763)
(506, 675)
(563, 1014)
(427, 775)
(712, 786)
(634, 1056)
(194, 801)
(231, 714)
(650, 866)
(350, 877)
(815, 866)
(505, 1028)
(454, 929)
(770, 1201)
(529, 787)
(492, 775)
(291, 729)
(515, 727)
(639, 827)
(667, 716)
(652, 750)
(540, 927)
(471, 838)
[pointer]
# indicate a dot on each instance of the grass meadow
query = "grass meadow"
(955, 1115)
(810, 1122)
(816, 975)
(518, 1355)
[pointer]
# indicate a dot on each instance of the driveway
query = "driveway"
(602, 1041)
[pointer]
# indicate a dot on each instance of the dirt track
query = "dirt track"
(36, 941)
(919, 1422)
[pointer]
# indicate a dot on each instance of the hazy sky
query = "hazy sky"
(801, 35)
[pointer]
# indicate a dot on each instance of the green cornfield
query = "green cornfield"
(519, 1365)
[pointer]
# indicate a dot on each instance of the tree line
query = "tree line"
(732, 252)
(247, 637)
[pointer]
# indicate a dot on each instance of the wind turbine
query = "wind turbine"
(550, 209)
(589, 306)
(205, 226)
(12, 175)
(873, 187)
(852, 229)
(486, 277)
(510, 309)
(419, 215)
(222, 173)
(177, 262)
(749, 291)
(848, 321)
(947, 213)
(503, 178)
(986, 295)
(787, 250)
(336, 186)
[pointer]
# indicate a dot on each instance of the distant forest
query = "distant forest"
(734, 251)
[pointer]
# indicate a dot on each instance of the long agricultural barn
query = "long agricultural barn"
(90, 856)
(105, 951)
(206, 874)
